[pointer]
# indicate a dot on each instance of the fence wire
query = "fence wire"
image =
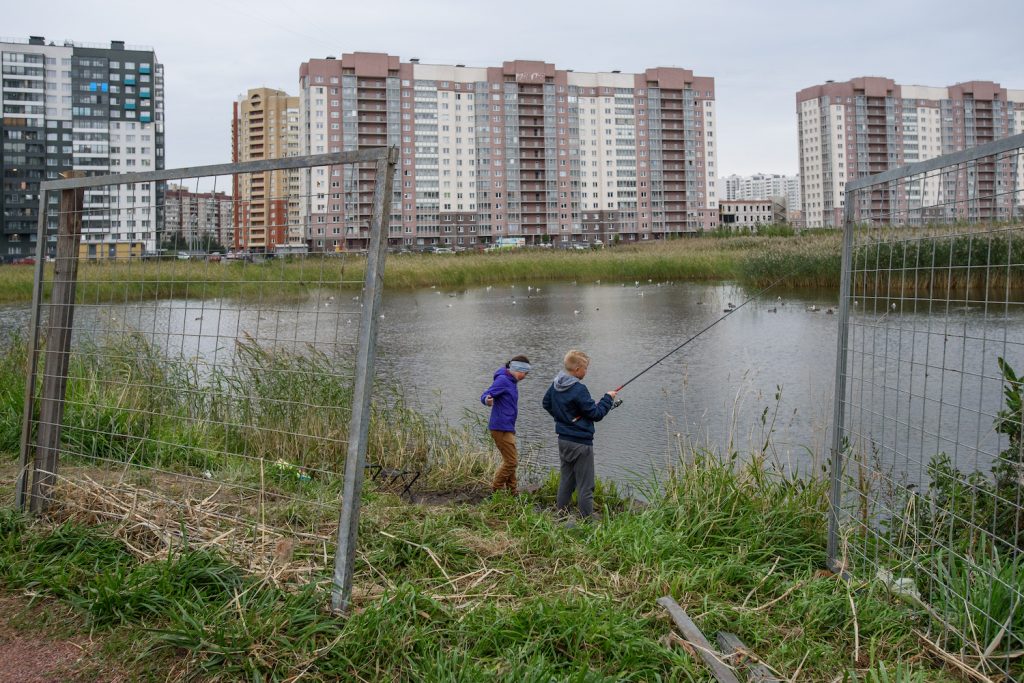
(928, 424)
(206, 397)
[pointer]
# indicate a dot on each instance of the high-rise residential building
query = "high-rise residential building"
(198, 215)
(762, 186)
(265, 125)
(868, 125)
(98, 109)
(519, 150)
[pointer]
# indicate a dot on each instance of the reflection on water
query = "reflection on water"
(768, 367)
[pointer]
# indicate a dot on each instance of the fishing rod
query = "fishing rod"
(727, 314)
(618, 401)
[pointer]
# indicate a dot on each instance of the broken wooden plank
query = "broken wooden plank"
(722, 671)
(743, 658)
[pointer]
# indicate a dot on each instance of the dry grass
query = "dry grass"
(169, 514)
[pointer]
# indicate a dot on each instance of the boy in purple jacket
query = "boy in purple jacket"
(503, 398)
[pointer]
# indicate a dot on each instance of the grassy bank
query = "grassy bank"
(812, 259)
(499, 591)
(932, 262)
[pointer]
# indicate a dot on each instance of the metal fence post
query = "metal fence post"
(359, 427)
(840, 386)
(58, 346)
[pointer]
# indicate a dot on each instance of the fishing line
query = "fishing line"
(730, 312)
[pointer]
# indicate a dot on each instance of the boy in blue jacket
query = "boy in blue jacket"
(503, 398)
(575, 412)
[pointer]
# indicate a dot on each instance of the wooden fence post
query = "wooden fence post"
(58, 345)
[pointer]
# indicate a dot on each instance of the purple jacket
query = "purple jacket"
(506, 401)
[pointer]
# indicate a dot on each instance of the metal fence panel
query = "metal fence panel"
(928, 455)
(224, 393)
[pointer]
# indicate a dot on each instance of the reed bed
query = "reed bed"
(691, 259)
(127, 403)
(811, 259)
(808, 260)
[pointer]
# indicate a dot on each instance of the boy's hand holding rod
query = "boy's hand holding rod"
(616, 402)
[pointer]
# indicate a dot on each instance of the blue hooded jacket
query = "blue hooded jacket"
(506, 401)
(567, 399)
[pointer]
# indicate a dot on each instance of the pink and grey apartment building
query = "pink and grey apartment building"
(869, 125)
(519, 150)
(197, 216)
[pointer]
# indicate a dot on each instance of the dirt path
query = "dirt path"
(30, 654)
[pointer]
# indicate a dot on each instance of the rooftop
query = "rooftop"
(39, 40)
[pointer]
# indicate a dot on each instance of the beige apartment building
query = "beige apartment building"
(750, 214)
(265, 125)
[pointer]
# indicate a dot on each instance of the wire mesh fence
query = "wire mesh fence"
(928, 453)
(208, 398)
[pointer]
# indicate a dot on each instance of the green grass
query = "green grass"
(12, 394)
(705, 258)
(810, 259)
(505, 592)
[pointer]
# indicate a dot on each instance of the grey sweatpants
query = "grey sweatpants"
(577, 474)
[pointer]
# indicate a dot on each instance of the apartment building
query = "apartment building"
(524, 149)
(98, 109)
(868, 125)
(196, 216)
(762, 186)
(265, 125)
(749, 214)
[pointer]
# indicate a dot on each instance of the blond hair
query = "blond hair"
(576, 359)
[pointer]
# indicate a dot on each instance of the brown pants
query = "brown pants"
(505, 478)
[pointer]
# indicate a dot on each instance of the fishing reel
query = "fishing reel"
(616, 403)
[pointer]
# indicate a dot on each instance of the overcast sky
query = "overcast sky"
(760, 52)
